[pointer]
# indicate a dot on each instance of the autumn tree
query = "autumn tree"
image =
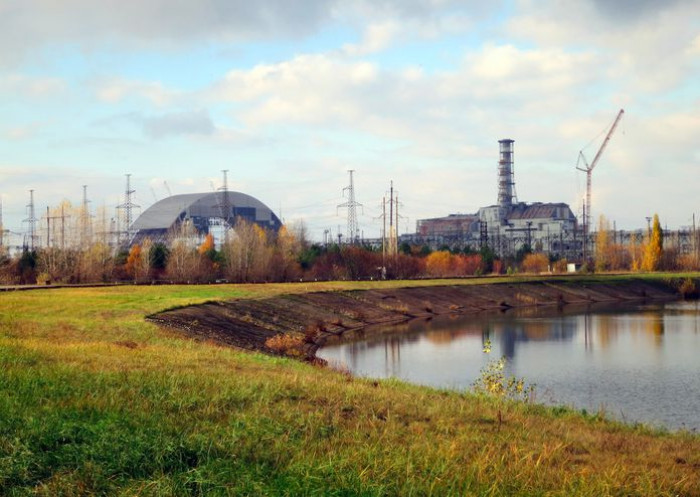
(208, 258)
(183, 259)
(535, 263)
(247, 253)
(134, 262)
(439, 264)
(96, 263)
(654, 247)
(287, 247)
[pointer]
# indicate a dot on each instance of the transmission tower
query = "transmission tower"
(30, 237)
(353, 234)
(225, 200)
(85, 227)
(127, 208)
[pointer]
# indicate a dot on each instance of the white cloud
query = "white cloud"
(646, 45)
(117, 89)
(377, 37)
(177, 123)
(31, 86)
(23, 132)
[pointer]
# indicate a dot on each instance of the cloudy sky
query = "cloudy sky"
(288, 96)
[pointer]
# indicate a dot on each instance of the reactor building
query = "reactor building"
(508, 225)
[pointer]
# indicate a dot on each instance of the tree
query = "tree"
(284, 266)
(654, 248)
(183, 259)
(247, 254)
(535, 263)
(439, 264)
(134, 263)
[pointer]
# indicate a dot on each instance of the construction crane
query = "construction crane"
(588, 169)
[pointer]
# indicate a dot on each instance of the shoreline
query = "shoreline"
(310, 319)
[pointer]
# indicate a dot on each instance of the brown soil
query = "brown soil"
(308, 320)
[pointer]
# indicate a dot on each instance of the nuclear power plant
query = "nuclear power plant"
(508, 225)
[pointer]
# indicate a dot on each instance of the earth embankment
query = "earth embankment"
(312, 318)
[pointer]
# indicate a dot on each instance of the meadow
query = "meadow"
(94, 400)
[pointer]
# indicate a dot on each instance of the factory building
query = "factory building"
(204, 212)
(508, 225)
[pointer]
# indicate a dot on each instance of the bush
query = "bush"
(535, 263)
(289, 345)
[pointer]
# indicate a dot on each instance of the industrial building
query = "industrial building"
(508, 225)
(204, 211)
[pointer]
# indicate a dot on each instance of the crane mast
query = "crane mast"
(588, 169)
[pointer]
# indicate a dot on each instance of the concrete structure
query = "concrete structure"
(508, 225)
(204, 211)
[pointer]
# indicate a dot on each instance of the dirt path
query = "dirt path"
(308, 320)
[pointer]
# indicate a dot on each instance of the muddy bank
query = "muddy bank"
(308, 320)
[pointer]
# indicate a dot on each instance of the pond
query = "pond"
(637, 363)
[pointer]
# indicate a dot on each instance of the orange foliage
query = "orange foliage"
(444, 264)
(207, 244)
(134, 260)
(535, 263)
(439, 264)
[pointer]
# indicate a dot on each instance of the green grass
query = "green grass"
(95, 400)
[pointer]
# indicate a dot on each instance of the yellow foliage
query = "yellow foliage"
(207, 244)
(654, 249)
(134, 260)
(439, 263)
(535, 263)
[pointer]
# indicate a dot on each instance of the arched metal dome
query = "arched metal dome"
(202, 210)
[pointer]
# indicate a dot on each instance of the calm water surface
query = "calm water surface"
(637, 363)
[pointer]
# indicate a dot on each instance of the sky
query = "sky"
(290, 96)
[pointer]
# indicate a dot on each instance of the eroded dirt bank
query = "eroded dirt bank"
(310, 319)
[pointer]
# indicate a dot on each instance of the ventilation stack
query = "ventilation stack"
(506, 181)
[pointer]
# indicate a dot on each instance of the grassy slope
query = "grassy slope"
(93, 399)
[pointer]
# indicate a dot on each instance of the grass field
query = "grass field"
(95, 400)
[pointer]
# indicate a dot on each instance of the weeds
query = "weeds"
(289, 345)
(81, 415)
(493, 380)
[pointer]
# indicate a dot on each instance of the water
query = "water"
(636, 363)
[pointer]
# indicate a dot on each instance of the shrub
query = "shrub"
(535, 263)
(290, 345)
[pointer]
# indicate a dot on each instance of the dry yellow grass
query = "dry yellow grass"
(94, 400)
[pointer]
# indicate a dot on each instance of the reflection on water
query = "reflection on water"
(638, 363)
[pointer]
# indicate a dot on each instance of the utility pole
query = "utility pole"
(392, 229)
(351, 205)
(695, 238)
(384, 231)
(49, 218)
(85, 220)
(2, 229)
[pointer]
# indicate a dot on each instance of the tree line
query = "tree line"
(252, 254)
